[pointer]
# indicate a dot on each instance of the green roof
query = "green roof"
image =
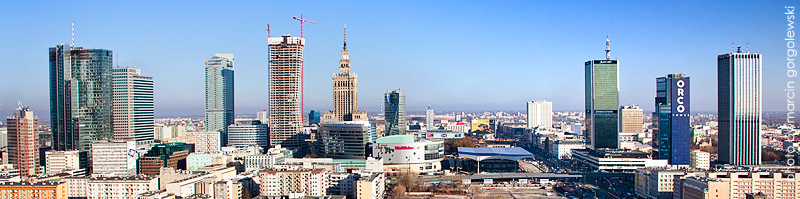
(396, 139)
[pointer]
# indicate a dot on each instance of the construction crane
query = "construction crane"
(301, 23)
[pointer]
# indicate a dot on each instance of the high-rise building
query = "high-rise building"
(286, 91)
(739, 106)
(429, 119)
(80, 98)
(114, 158)
(314, 117)
(395, 115)
(602, 102)
(540, 114)
(262, 116)
(700, 160)
(253, 134)
(23, 142)
(672, 129)
(172, 154)
(347, 140)
(219, 94)
(631, 119)
(345, 87)
(133, 105)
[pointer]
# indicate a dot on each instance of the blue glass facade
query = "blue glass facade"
(673, 128)
(313, 117)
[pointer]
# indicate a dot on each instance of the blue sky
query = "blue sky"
(450, 55)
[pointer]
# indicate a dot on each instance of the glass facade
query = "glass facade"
(395, 115)
(672, 131)
(80, 97)
(344, 140)
(739, 106)
(219, 94)
(602, 103)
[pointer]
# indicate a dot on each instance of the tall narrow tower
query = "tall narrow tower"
(602, 102)
(395, 116)
(219, 94)
(285, 91)
(133, 106)
(345, 87)
(23, 142)
(739, 101)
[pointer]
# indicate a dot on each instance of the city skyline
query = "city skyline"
(457, 66)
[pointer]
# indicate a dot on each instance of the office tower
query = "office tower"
(262, 116)
(429, 119)
(395, 115)
(540, 114)
(114, 158)
(253, 134)
(133, 105)
(172, 154)
(631, 119)
(346, 140)
(285, 91)
(602, 101)
(219, 94)
(671, 125)
(23, 142)
(314, 117)
(345, 92)
(80, 98)
(739, 106)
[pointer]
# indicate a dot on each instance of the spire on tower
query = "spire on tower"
(73, 34)
(345, 37)
(608, 48)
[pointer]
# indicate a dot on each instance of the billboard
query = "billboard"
(437, 135)
(483, 126)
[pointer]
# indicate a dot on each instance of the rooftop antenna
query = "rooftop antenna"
(748, 46)
(608, 49)
(268, 33)
(73, 35)
(732, 51)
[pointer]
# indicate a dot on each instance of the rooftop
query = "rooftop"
(486, 153)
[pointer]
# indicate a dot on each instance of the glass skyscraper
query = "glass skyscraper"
(219, 94)
(739, 106)
(672, 128)
(602, 103)
(395, 115)
(80, 98)
(314, 117)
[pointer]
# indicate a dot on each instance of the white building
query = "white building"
(207, 141)
(133, 105)
(429, 119)
(262, 116)
(700, 160)
(615, 160)
(110, 187)
(402, 153)
(563, 148)
(61, 161)
(540, 114)
(310, 182)
(112, 159)
(274, 156)
(460, 127)
(577, 129)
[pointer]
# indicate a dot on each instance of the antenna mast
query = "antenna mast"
(268, 33)
(608, 49)
(73, 35)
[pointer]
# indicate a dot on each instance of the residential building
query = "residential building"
(671, 121)
(540, 114)
(80, 98)
(286, 91)
(280, 183)
(700, 160)
(371, 186)
(35, 190)
(395, 113)
(132, 105)
(23, 142)
(114, 158)
(737, 185)
(207, 141)
(602, 101)
(739, 107)
(219, 94)
(172, 154)
(348, 140)
(253, 134)
(273, 156)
